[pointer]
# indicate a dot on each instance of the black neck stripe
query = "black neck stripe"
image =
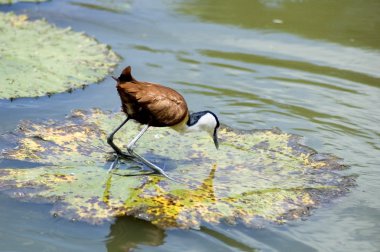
(194, 118)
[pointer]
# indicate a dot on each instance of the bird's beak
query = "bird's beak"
(116, 79)
(215, 138)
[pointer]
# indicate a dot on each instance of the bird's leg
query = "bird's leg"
(132, 143)
(149, 164)
(119, 153)
(111, 143)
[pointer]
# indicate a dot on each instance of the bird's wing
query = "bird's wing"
(165, 105)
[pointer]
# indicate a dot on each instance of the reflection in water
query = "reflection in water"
(169, 207)
(364, 78)
(324, 19)
(227, 240)
(128, 233)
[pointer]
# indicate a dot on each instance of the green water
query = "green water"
(308, 67)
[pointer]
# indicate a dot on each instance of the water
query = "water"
(307, 67)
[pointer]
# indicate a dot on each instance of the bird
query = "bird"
(155, 105)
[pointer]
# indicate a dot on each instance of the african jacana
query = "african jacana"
(158, 106)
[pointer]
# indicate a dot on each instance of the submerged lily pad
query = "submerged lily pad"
(256, 176)
(37, 58)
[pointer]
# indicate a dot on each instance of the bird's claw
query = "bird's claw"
(114, 163)
(117, 157)
(125, 156)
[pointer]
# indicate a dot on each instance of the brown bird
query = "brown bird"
(155, 105)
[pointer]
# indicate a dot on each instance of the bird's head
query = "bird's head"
(205, 121)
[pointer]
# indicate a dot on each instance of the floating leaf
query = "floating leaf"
(37, 58)
(256, 176)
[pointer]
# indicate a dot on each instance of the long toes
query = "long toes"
(123, 155)
(126, 156)
(113, 165)
(130, 151)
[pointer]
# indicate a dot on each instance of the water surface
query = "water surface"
(307, 67)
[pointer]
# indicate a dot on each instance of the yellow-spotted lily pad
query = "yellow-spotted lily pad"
(38, 59)
(255, 176)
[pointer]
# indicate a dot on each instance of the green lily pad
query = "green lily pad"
(255, 176)
(37, 58)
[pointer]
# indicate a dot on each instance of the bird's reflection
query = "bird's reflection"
(128, 233)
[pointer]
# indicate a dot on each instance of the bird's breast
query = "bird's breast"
(181, 126)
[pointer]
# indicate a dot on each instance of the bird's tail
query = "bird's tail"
(126, 75)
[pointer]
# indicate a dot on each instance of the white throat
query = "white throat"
(206, 123)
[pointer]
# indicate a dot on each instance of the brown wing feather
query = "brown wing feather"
(163, 105)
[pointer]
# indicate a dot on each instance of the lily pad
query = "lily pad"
(37, 58)
(255, 177)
